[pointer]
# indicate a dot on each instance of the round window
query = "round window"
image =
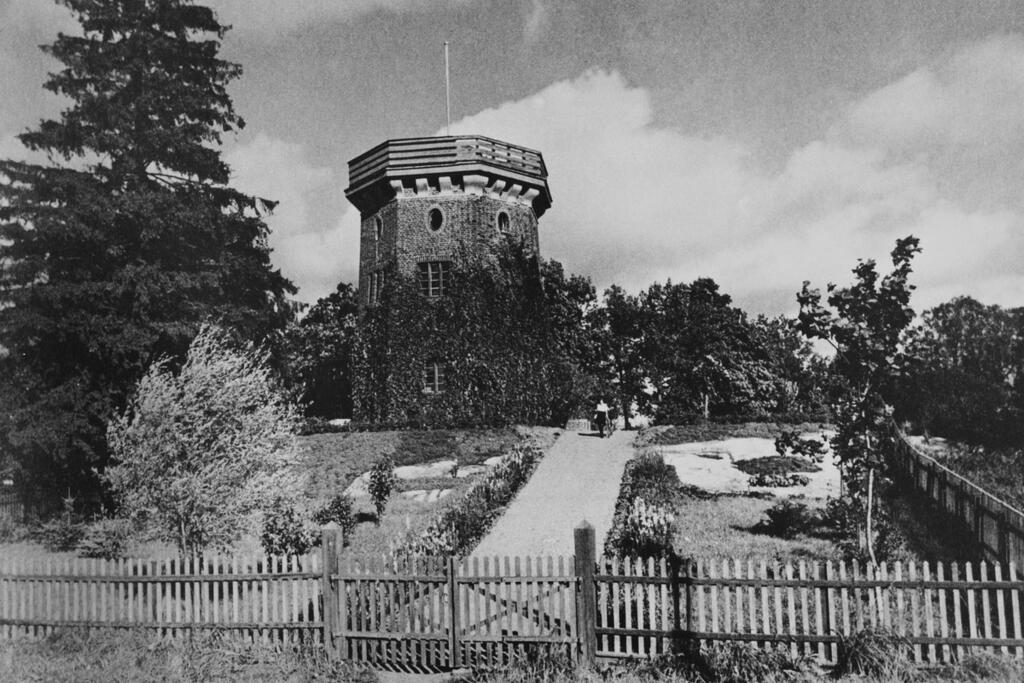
(503, 221)
(435, 219)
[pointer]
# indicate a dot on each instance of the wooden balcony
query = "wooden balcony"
(427, 159)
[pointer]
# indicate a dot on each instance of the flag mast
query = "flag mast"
(447, 92)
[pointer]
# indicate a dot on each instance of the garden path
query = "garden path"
(578, 479)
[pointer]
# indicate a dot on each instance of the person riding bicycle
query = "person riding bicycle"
(601, 416)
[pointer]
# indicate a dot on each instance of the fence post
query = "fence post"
(1004, 538)
(586, 593)
(454, 626)
(332, 540)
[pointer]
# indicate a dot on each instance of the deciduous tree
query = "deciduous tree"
(864, 322)
(199, 452)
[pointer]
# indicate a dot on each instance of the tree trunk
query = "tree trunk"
(625, 412)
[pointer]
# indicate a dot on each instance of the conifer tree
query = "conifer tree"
(114, 251)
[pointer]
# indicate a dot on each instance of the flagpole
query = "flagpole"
(447, 91)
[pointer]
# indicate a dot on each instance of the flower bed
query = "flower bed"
(458, 528)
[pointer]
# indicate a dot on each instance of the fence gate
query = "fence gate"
(426, 614)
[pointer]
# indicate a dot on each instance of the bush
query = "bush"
(812, 449)
(283, 530)
(64, 532)
(787, 519)
(648, 476)
(775, 464)
(844, 518)
(339, 511)
(381, 484)
(878, 653)
(778, 480)
(646, 530)
(107, 538)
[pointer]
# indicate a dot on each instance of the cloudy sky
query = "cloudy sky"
(758, 143)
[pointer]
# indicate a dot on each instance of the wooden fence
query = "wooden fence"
(997, 526)
(259, 598)
(653, 607)
(429, 614)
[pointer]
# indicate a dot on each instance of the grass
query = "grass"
(136, 657)
(724, 526)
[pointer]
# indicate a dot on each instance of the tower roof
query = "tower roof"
(375, 176)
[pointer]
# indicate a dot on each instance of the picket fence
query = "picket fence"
(997, 526)
(259, 598)
(431, 614)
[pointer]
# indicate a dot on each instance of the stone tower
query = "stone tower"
(431, 205)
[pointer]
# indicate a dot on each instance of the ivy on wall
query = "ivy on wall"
(492, 332)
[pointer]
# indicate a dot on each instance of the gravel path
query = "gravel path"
(578, 479)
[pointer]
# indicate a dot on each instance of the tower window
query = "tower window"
(375, 288)
(435, 219)
(503, 221)
(378, 228)
(434, 277)
(433, 378)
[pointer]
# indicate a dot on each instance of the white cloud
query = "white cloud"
(277, 18)
(636, 203)
(312, 249)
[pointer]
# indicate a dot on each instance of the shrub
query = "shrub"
(776, 464)
(843, 518)
(381, 484)
(199, 451)
(283, 530)
(812, 449)
(64, 532)
(339, 511)
(777, 480)
(787, 519)
(648, 476)
(878, 653)
(646, 530)
(107, 538)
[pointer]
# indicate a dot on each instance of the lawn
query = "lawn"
(723, 527)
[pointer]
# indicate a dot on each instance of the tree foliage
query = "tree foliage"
(114, 251)
(864, 323)
(198, 452)
(964, 381)
(319, 354)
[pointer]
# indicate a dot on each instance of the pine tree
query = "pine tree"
(116, 250)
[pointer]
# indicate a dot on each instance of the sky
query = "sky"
(758, 143)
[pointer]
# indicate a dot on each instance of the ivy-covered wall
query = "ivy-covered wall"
(493, 334)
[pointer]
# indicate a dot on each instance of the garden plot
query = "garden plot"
(711, 465)
(444, 473)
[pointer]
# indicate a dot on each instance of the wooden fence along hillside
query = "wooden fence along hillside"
(260, 598)
(429, 614)
(996, 525)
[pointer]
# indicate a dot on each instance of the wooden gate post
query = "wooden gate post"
(332, 541)
(454, 646)
(586, 593)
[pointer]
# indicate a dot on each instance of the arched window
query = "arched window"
(378, 228)
(502, 221)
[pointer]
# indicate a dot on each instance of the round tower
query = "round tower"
(431, 205)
